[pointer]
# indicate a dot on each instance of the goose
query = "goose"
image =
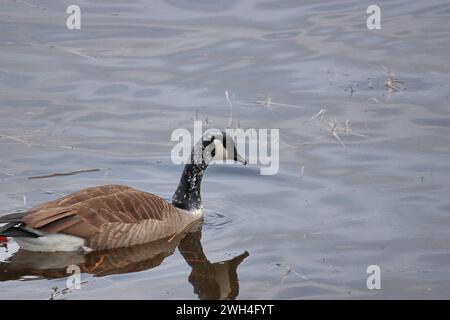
(114, 216)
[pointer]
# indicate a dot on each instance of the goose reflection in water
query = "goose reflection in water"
(217, 280)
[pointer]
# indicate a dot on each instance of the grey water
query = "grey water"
(364, 119)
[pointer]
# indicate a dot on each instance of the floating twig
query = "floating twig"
(67, 50)
(374, 100)
(15, 139)
(30, 4)
(290, 269)
(320, 114)
(333, 128)
(63, 174)
(348, 130)
(266, 102)
(182, 231)
(55, 293)
(392, 83)
(74, 52)
(230, 119)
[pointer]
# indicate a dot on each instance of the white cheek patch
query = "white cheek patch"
(221, 152)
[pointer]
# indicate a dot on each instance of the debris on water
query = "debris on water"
(30, 5)
(374, 100)
(289, 270)
(230, 119)
(320, 114)
(67, 147)
(15, 139)
(186, 228)
(350, 90)
(55, 293)
(392, 83)
(306, 235)
(333, 128)
(74, 52)
(348, 130)
(266, 102)
(63, 174)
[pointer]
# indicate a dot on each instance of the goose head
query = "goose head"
(217, 147)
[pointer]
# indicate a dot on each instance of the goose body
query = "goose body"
(109, 216)
(97, 218)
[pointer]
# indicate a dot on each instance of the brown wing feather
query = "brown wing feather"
(51, 211)
(43, 217)
(61, 224)
(99, 212)
(80, 196)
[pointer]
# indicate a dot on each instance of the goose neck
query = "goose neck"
(187, 196)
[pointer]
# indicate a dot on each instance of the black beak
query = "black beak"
(240, 159)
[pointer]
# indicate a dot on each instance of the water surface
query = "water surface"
(109, 95)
